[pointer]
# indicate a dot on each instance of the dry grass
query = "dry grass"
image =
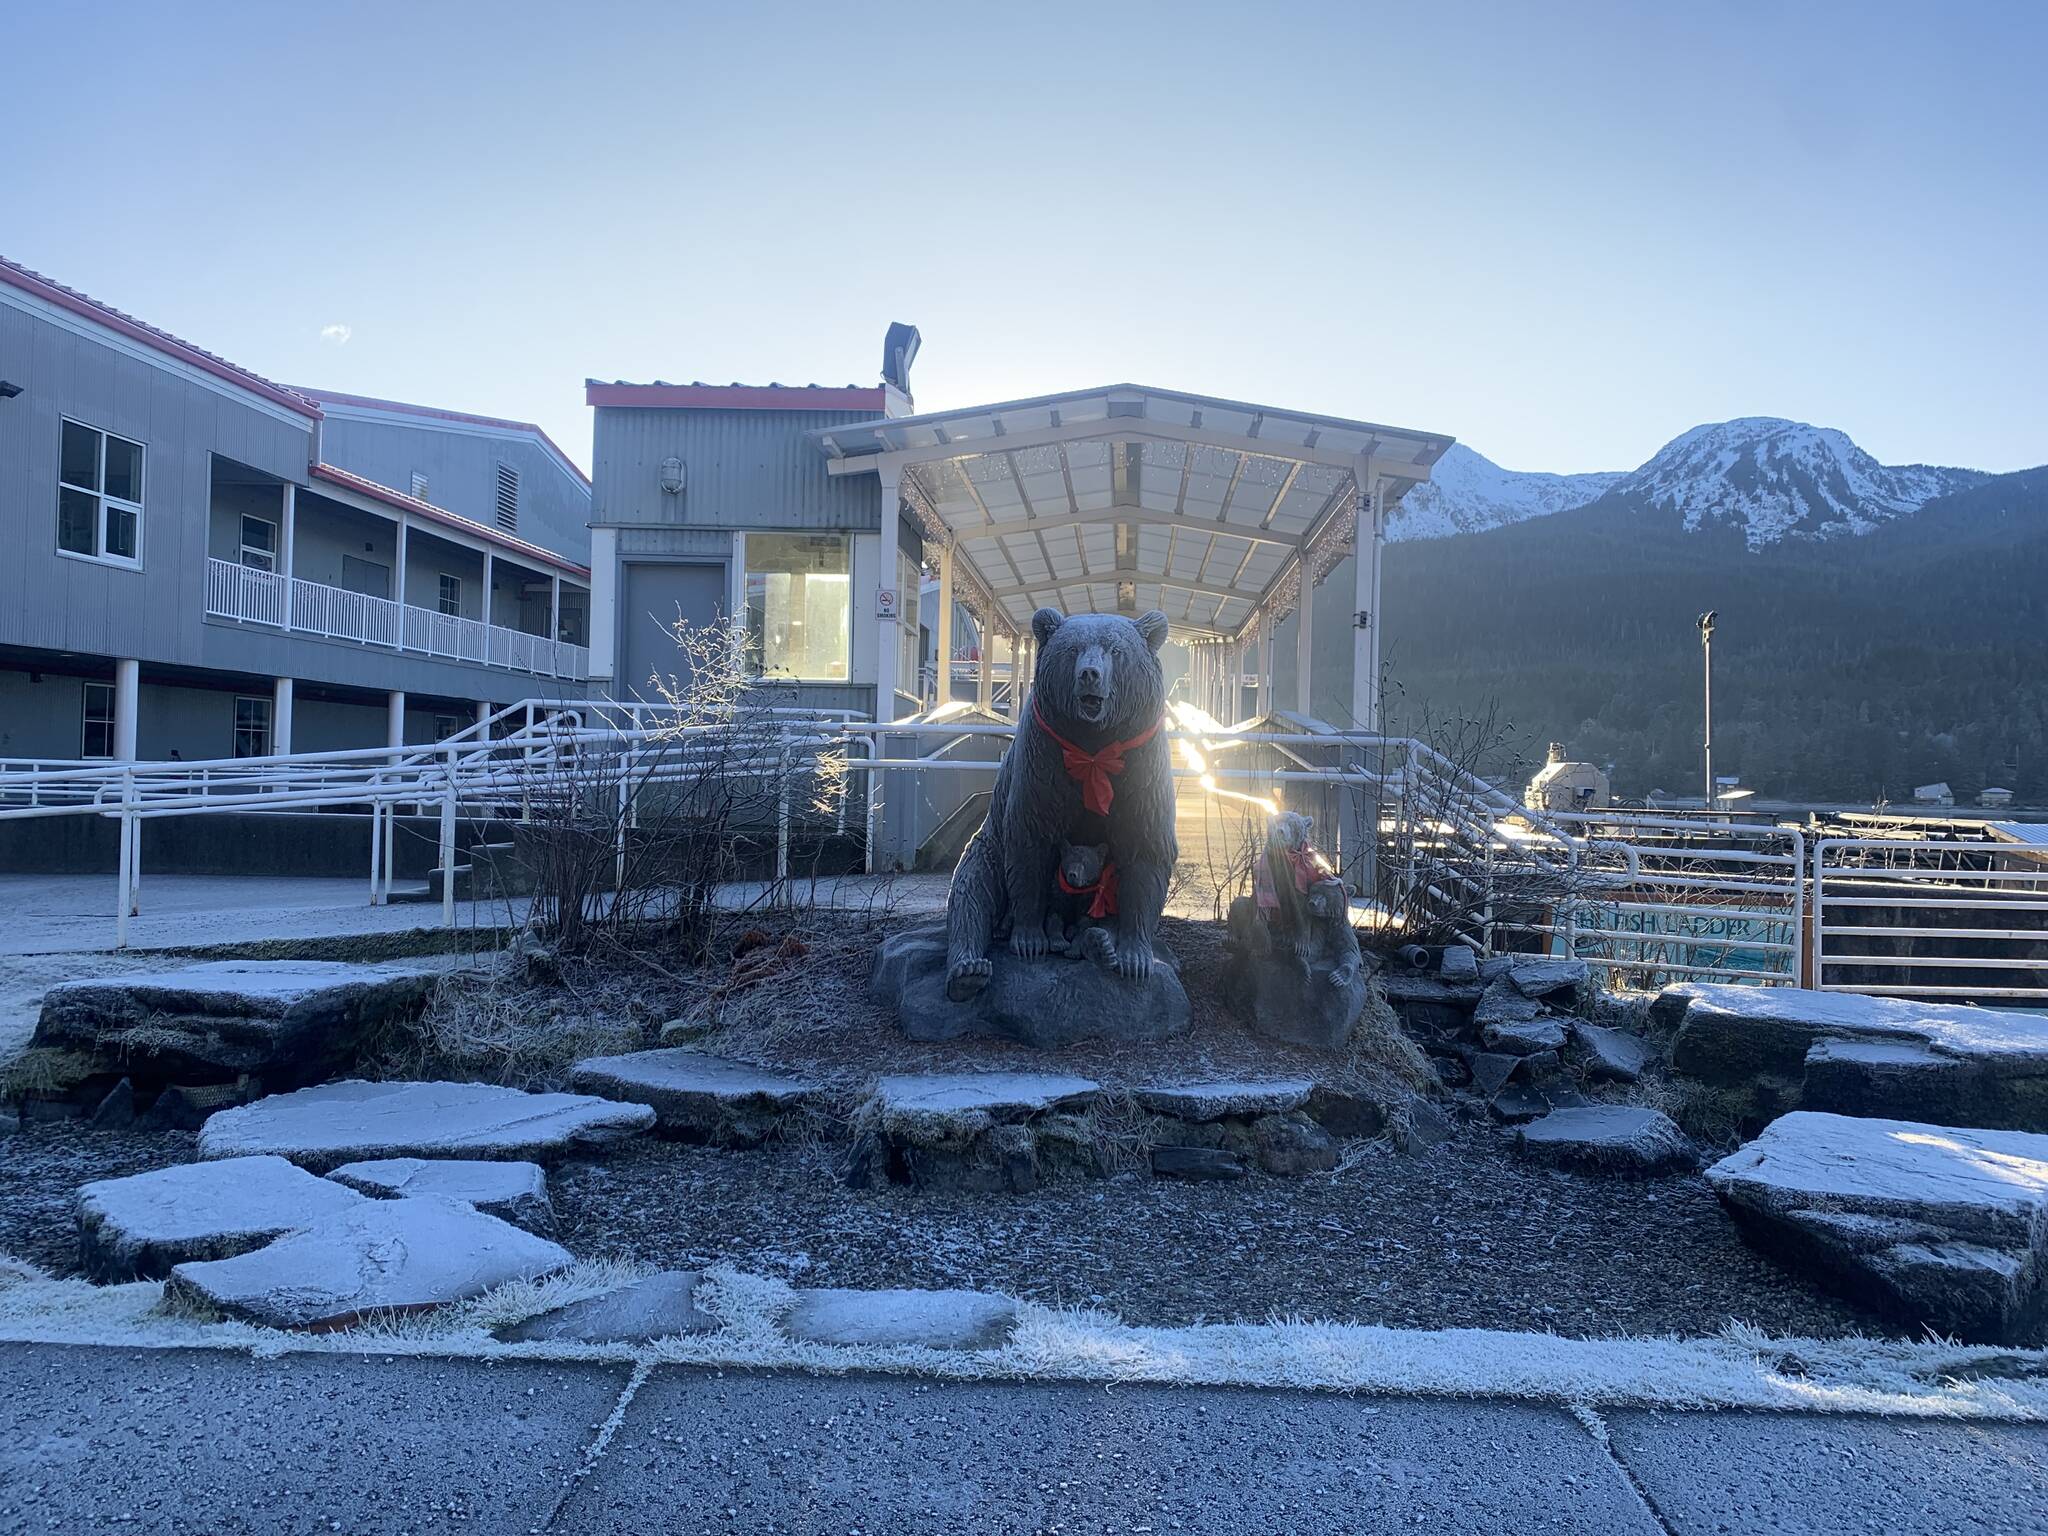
(44, 1072)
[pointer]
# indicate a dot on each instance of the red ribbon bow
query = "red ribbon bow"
(1093, 770)
(1104, 890)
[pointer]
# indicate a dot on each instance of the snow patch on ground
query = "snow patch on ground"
(1737, 1369)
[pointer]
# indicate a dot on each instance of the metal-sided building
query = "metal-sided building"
(204, 564)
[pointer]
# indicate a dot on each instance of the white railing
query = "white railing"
(312, 608)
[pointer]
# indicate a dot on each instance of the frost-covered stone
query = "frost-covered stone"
(1343, 1112)
(1460, 964)
(1418, 1126)
(1215, 1100)
(662, 1306)
(1613, 1054)
(941, 1104)
(1607, 1138)
(699, 1097)
(1547, 978)
(287, 1021)
(514, 1192)
(1526, 1037)
(139, 1227)
(1288, 1146)
(1048, 1001)
(1974, 1066)
(322, 1128)
(1939, 1226)
(1199, 1165)
(895, 1319)
(1501, 1007)
(975, 1131)
(381, 1256)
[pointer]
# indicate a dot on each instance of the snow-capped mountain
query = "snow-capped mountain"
(1468, 493)
(1774, 479)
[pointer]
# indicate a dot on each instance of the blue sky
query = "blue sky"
(1563, 233)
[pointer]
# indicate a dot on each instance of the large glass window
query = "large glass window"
(259, 543)
(450, 596)
(909, 643)
(97, 737)
(99, 495)
(800, 605)
(252, 726)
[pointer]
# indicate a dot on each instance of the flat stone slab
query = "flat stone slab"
(382, 1256)
(895, 1319)
(514, 1192)
(1215, 1101)
(699, 1097)
(1502, 1006)
(1737, 1035)
(1546, 978)
(1527, 1037)
(1607, 1138)
(325, 1127)
(1936, 1225)
(1199, 1165)
(1050, 1001)
(946, 1101)
(1460, 964)
(1613, 1054)
(141, 1227)
(284, 1020)
(662, 1306)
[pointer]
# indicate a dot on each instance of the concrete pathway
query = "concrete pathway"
(184, 1441)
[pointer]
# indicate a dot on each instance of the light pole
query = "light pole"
(1707, 662)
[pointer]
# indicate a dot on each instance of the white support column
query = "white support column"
(1266, 630)
(398, 581)
(288, 540)
(484, 710)
(281, 716)
(394, 719)
(1023, 662)
(489, 613)
(127, 706)
(555, 606)
(889, 631)
(1365, 599)
(1305, 639)
(985, 669)
(942, 631)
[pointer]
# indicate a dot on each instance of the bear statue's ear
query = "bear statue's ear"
(1307, 825)
(1153, 627)
(1044, 622)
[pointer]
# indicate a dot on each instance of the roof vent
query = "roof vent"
(899, 351)
(508, 498)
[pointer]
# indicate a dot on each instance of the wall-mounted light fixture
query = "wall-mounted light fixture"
(672, 476)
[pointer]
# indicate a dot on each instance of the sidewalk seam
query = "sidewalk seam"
(1596, 1431)
(595, 1451)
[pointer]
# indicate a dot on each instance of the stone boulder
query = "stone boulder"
(1936, 1226)
(1609, 1139)
(1529, 1037)
(1968, 1066)
(325, 1127)
(286, 1021)
(901, 1319)
(1460, 964)
(1343, 1112)
(376, 1258)
(1051, 1001)
(1317, 1005)
(974, 1131)
(698, 1097)
(1500, 1006)
(1548, 980)
(1288, 1146)
(514, 1192)
(662, 1306)
(1199, 1165)
(1228, 1098)
(1614, 1055)
(141, 1227)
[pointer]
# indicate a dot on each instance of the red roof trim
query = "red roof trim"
(433, 514)
(18, 276)
(735, 397)
(402, 407)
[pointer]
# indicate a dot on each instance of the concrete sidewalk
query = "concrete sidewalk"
(202, 1441)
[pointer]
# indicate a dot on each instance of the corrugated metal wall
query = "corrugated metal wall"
(743, 469)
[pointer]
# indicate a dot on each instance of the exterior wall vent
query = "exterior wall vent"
(419, 486)
(508, 498)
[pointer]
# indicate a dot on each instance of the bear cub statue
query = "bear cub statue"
(1089, 766)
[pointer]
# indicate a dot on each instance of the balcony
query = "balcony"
(251, 596)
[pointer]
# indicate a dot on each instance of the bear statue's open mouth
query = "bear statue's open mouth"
(1091, 707)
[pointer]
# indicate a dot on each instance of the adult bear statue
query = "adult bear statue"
(1089, 764)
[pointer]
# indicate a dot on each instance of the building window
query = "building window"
(447, 725)
(259, 543)
(910, 643)
(419, 486)
(99, 496)
(508, 498)
(252, 726)
(800, 605)
(97, 738)
(451, 596)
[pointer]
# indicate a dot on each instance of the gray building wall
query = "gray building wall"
(742, 469)
(461, 462)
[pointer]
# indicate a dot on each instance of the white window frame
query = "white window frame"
(101, 500)
(441, 591)
(269, 725)
(87, 720)
(267, 556)
(742, 577)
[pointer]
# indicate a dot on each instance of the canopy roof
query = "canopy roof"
(1128, 498)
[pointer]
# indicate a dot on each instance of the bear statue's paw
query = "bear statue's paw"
(1134, 959)
(966, 979)
(1097, 945)
(1027, 942)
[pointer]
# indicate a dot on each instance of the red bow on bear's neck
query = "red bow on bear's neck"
(1103, 890)
(1093, 770)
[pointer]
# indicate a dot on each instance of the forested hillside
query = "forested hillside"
(1845, 669)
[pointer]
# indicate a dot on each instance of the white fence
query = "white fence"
(308, 607)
